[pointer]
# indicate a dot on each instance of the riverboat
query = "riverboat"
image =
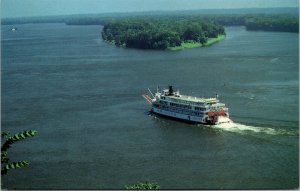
(172, 104)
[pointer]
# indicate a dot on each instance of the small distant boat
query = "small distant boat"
(193, 109)
(13, 29)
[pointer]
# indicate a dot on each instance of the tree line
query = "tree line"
(158, 33)
(265, 22)
(280, 23)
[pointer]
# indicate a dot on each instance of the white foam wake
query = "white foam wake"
(222, 119)
(240, 128)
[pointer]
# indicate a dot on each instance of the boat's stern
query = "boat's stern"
(219, 116)
(223, 119)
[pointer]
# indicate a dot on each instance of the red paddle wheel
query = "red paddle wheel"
(215, 114)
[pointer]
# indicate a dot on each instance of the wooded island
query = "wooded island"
(150, 33)
(183, 31)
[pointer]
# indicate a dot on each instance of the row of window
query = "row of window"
(178, 110)
(181, 106)
(200, 108)
(176, 100)
(163, 102)
(186, 102)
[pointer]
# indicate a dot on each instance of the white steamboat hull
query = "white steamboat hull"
(177, 115)
(191, 118)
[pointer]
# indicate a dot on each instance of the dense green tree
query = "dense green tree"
(159, 33)
(143, 186)
(282, 23)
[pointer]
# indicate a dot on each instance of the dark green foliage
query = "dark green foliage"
(227, 20)
(282, 23)
(159, 33)
(144, 186)
(265, 22)
(16, 165)
(4, 157)
(13, 165)
(5, 161)
(17, 137)
(23, 135)
(4, 134)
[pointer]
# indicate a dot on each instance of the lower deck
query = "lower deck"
(181, 116)
(190, 118)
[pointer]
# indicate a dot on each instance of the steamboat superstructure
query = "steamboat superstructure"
(194, 109)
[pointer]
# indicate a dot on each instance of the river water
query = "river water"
(83, 96)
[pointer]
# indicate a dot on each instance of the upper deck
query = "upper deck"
(190, 99)
(175, 96)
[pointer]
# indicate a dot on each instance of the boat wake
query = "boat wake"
(240, 128)
(244, 129)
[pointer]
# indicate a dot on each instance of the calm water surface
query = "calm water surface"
(83, 96)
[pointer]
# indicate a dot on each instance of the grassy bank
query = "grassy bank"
(191, 44)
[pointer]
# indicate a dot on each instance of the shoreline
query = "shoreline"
(185, 45)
